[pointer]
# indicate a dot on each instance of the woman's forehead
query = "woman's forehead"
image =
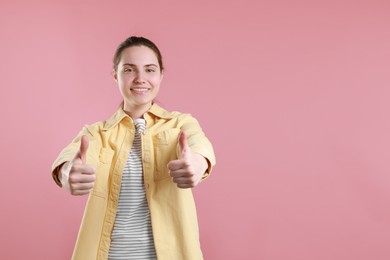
(138, 55)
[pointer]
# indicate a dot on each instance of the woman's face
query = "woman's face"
(138, 76)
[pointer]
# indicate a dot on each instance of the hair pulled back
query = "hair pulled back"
(136, 41)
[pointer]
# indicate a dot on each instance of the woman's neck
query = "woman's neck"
(136, 111)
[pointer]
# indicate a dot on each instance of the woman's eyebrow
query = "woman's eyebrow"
(133, 65)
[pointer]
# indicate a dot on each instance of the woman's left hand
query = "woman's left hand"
(188, 169)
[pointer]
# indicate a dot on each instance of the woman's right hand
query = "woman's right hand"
(76, 176)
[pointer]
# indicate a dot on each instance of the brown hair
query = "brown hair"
(136, 41)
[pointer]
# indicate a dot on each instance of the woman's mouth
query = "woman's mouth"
(138, 90)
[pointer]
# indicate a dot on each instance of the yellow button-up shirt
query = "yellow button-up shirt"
(173, 213)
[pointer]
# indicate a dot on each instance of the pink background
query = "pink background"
(294, 96)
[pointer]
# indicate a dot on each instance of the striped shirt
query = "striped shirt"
(132, 236)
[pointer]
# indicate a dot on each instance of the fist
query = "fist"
(188, 169)
(76, 176)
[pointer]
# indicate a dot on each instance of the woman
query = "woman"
(137, 167)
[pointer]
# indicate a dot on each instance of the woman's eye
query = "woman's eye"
(128, 70)
(150, 70)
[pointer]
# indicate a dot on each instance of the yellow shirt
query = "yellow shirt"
(173, 213)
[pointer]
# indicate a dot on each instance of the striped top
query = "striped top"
(132, 236)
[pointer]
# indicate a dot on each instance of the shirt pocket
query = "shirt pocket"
(165, 145)
(100, 187)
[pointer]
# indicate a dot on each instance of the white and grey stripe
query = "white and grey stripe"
(132, 236)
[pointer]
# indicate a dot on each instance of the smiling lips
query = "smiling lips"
(139, 90)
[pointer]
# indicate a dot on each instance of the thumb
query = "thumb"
(82, 153)
(183, 145)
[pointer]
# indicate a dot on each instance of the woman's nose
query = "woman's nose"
(139, 77)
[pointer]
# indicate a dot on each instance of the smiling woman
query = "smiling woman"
(138, 76)
(138, 168)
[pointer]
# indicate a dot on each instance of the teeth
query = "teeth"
(140, 89)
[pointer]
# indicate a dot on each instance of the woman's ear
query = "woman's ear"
(115, 75)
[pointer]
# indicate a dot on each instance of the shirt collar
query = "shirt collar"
(120, 114)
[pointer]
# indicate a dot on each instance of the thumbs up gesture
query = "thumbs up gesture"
(188, 169)
(76, 176)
